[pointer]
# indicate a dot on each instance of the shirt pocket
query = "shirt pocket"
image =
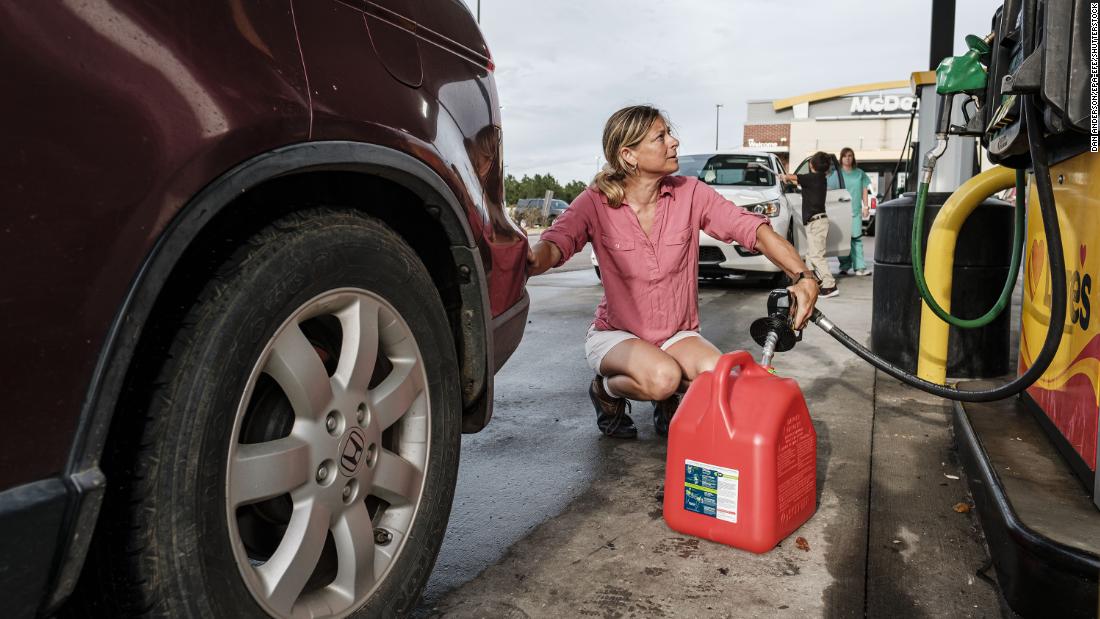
(678, 238)
(676, 252)
(619, 251)
(617, 244)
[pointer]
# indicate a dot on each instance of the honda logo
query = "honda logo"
(352, 454)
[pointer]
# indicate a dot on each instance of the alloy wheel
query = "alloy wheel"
(327, 461)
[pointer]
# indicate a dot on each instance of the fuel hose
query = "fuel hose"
(1010, 279)
(1056, 260)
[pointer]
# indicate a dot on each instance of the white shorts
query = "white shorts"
(598, 343)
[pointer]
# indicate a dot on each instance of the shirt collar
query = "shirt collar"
(666, 187)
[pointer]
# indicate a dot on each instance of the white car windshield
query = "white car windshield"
(727, 170)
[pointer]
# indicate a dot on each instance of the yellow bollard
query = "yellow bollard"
(939, 263)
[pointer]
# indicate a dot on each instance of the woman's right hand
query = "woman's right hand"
(541, 256)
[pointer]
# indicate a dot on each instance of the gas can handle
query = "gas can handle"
(725, 365)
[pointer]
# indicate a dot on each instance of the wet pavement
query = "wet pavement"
(540, 451)
(551, 519)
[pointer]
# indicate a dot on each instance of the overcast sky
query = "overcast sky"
(563, 66)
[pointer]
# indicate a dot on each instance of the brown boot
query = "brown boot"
(663, 412)
(611, 416)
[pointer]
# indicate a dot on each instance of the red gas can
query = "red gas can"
(742, 457)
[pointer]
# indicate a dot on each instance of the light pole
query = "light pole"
(479, 12)
(717, 106)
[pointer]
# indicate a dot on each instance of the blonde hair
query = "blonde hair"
(625, 129)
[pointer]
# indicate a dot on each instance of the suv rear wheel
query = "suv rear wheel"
(301, 447)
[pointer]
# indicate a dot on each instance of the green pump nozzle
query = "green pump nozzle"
(963, 74)
(960, 75)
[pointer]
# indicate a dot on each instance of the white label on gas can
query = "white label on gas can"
(710, 490)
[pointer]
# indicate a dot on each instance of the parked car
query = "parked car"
(530, 211)
(258, 277)
(748, 179)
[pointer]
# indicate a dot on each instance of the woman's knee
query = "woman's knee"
(663, 379)
(706, 363)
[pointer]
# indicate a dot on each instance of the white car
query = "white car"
(747, 178)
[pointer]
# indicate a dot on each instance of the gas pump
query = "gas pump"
(1034, 113)
(1029, 85)
(1043, 58)
(1028, 119)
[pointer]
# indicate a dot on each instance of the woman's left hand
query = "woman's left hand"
(785, 256)
(805, 296)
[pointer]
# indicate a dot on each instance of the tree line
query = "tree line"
(537, 185)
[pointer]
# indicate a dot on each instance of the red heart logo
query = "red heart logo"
(1035, 261)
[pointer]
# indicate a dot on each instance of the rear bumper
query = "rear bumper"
(45, 530)
(31, 516)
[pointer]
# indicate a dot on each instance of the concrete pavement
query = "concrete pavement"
(551, 519)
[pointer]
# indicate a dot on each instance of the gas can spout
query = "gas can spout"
(769, 348)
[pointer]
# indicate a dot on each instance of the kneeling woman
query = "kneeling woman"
(643, 224)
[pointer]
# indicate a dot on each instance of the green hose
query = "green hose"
(1010, 282)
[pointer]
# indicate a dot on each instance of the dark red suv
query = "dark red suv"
(257, 279)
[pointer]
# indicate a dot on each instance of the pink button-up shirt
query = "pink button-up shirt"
(651, 282)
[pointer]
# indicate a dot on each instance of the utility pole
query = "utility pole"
(942, 42)
(717, 106)
(479, 12)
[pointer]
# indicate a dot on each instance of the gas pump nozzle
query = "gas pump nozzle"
(774, 331)
(943, 126)
(956, 75)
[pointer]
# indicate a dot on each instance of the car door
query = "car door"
(838, 205)
(788, 202)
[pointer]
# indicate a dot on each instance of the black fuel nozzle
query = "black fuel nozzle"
(943, 113)
(774, 332)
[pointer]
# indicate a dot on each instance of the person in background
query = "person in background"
(815, 219)
(643, 223)
(856, 182)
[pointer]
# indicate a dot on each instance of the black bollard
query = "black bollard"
(982, 257)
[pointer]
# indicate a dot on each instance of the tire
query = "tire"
(223, 487)
(869, 230)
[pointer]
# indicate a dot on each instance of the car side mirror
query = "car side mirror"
(791, 188)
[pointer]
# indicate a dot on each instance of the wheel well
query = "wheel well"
(402, 210)
(390, 185)
(224, 234)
